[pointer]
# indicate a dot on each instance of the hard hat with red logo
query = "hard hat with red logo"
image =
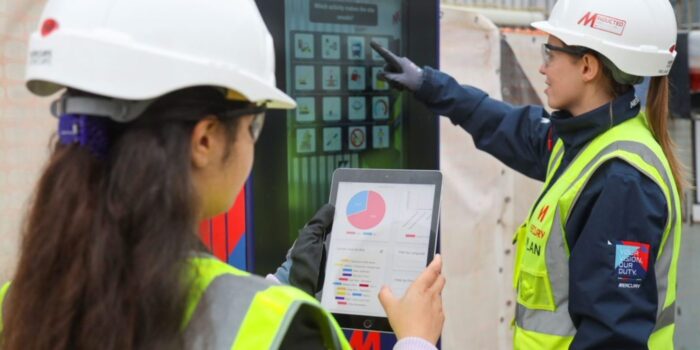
(140, 50)
(638, 36)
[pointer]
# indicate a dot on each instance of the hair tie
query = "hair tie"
(92, 133)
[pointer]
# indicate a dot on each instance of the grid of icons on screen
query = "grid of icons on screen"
(342, 105)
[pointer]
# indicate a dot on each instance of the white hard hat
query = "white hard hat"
(638, 36)
(143, 49)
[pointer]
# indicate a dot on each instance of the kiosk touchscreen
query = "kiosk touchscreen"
(346, 117)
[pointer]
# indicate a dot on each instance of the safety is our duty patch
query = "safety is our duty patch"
(631, 263)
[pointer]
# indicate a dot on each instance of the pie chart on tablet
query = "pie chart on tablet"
(366, 210)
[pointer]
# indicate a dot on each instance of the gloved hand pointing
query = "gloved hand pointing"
(399, 72)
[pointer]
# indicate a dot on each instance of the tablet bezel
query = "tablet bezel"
(392, 176)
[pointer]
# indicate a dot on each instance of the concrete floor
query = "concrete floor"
(688, 298)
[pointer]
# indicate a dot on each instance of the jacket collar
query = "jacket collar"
(577, 131)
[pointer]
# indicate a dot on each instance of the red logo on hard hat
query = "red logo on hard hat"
(48, 27)
(587, 19)
(604, 23)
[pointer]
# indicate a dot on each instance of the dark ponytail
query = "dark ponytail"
(658, 114)
(106, 241)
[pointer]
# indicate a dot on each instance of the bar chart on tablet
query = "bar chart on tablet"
(356, 279)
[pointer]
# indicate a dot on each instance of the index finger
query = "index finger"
(436, 264)
(388, 56)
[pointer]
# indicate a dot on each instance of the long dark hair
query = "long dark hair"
(658, 115)
(105, 241)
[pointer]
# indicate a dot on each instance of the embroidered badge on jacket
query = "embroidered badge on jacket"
(631, 263)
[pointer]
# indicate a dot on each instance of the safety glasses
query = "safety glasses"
(547, 50)
(256, 125)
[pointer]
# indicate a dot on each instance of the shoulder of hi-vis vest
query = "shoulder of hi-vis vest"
(3, 293)
(231, 309)
(541, 274)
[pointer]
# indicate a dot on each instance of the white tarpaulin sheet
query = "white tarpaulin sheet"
(483, 200)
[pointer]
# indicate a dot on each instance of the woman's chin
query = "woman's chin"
(553, 103)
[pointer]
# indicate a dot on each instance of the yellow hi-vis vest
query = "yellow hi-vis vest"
(230, 309)
(541, 278)
(3, 292)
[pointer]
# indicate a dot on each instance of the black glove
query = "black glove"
(306, 258)
(399, 72)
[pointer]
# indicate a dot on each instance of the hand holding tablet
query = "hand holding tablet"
(419, 313)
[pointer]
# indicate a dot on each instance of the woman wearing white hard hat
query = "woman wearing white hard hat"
(161, 104)
(597, 257)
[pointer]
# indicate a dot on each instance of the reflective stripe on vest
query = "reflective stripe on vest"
(229, 309)
(3, 293)
(542, 318)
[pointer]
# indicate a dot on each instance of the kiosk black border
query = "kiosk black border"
(392, 176)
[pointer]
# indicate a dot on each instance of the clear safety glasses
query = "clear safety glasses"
(256, 125)
(547, 50)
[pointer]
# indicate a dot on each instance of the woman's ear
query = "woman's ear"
(591, 67)
(202, 143)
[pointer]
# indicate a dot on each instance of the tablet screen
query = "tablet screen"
(381, 236)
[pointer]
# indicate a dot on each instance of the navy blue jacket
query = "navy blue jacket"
(618, 203)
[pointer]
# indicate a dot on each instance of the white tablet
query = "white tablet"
(384, 233)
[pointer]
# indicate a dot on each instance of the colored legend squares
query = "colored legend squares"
(351, 286)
